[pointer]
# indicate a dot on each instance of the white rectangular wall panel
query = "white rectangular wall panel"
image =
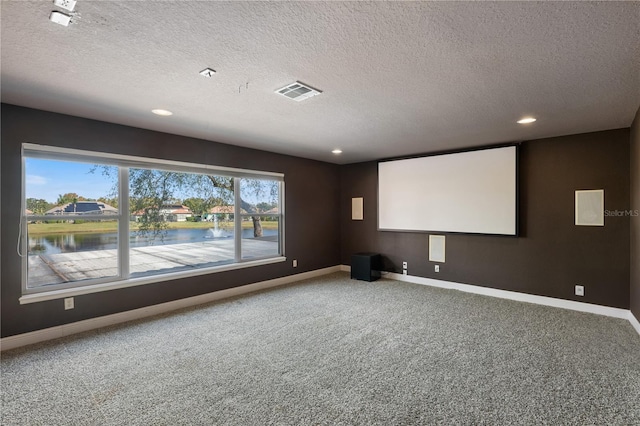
(466, 192)
(437, 248)
(590, 207)
(357, 208)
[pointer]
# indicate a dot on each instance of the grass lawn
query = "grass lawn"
(112, 226)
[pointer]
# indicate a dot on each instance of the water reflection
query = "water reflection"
(70, 243)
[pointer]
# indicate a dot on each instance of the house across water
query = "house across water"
(83, 208)
(169, 213)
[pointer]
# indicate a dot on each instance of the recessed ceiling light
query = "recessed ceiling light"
(526, 120)
(162, 112)
(337, 151)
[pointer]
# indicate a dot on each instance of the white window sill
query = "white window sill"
(96, 288)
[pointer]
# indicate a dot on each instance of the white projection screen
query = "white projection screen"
(467, 192)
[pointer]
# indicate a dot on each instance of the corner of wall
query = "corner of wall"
(634, 276)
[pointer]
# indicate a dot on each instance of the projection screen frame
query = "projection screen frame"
(516, 234)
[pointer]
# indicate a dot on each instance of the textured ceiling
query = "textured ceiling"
(397, 78)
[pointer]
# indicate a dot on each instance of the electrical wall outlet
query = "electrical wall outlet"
(60, 18)
(579, 290)
(66, 4)
(437, 268)
(295, 263)
(68, 303)
(404, 272)
(404, 265)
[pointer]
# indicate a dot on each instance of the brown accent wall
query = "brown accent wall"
(311, 197)
(635, 219)
(551, 255)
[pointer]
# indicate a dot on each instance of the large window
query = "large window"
(93, 219)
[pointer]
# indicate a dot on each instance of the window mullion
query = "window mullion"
(281, 239)
(237, 220)
(23, 248)
(123, 222)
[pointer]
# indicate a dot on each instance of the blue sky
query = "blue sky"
(47, 179)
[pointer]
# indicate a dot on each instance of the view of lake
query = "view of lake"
(75, 242)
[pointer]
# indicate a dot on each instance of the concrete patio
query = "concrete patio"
(152, 260)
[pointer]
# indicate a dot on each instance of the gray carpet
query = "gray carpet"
(332, 351)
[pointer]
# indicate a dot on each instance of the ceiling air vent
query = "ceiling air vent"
(298, 91)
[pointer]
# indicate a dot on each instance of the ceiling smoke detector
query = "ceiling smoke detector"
(66, 4)
(298, 91)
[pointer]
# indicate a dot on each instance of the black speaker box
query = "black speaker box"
(366, 266)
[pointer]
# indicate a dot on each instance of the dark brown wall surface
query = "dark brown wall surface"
(635, 218)
(311, 198)
(551, 255)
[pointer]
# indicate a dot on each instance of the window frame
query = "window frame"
(124, 162)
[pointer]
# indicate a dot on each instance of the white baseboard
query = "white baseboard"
(19, 340)
(634, 322)
(512, 295)
(12, 342)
